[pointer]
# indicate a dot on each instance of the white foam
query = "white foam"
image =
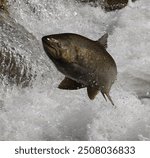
(47, 113)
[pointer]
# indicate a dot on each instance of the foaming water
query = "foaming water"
(43, 112)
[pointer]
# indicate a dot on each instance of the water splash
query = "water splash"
(43, 112)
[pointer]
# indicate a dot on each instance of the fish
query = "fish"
(85, 63)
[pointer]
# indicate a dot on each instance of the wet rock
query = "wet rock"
(110, 5)
(20, 53)
(3, 5)
(107, 5)
(14, 69)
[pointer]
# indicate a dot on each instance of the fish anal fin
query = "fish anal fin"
(92, 92)
(69, 84)
(104, 95)
(103, 40)
(108, 96)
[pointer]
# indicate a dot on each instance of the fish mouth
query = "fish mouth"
(46, 42)
(44, 39)
(49, 47)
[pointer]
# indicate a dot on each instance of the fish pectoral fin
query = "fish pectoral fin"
(103, 40)
(70, 84)
(92, 92)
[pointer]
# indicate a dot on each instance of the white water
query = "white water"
(47, 113)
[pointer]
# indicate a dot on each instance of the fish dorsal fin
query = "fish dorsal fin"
(103, 40)
(70, 84)
(92, 92)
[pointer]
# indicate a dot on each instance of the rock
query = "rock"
(20, 53)
(3, 5)
(14, 69)
(110, 5)
(107, 5)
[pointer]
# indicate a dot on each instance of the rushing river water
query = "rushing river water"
(43, 112)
